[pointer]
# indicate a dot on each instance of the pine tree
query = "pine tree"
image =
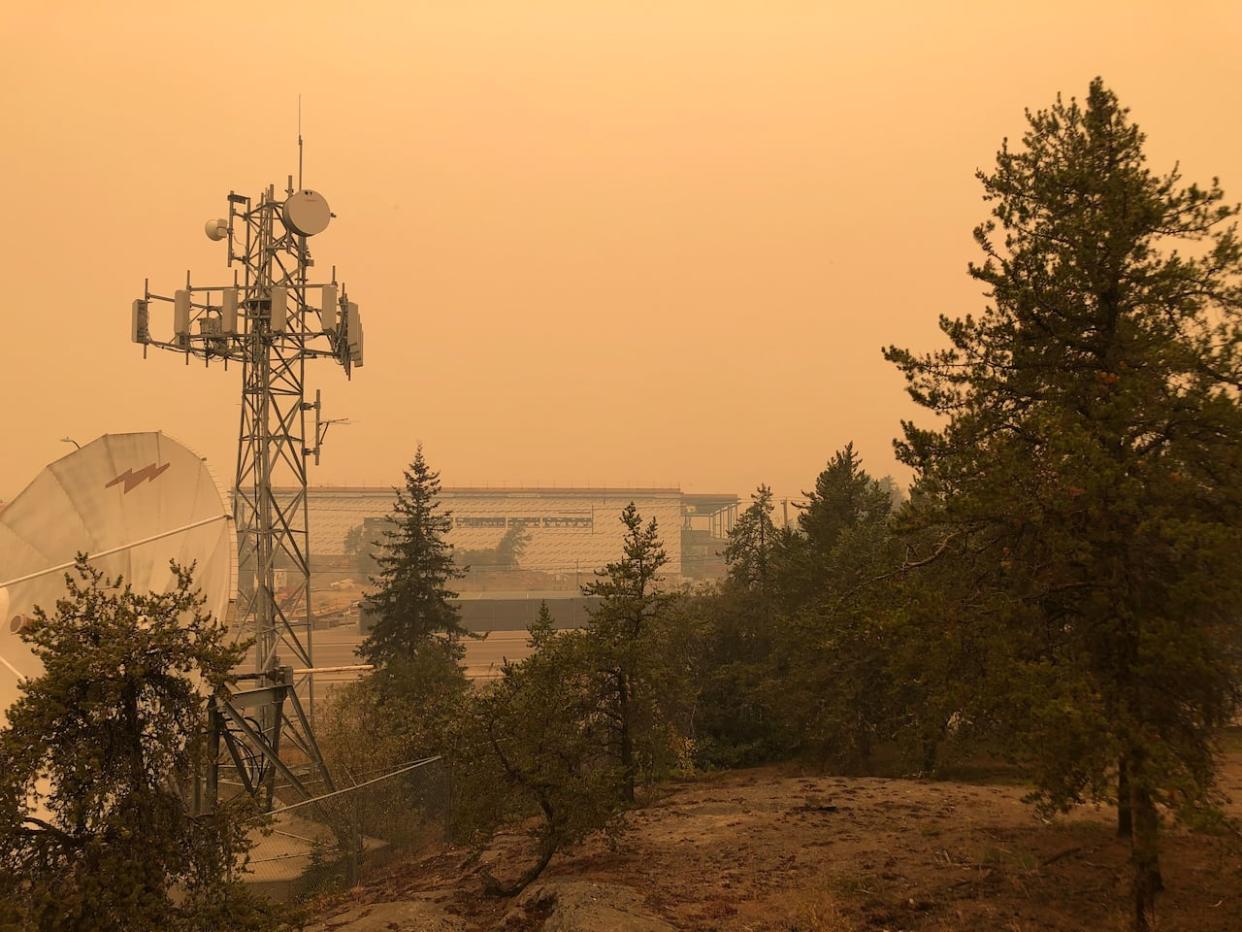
(413, 602)
(619, 628)
(92, 827)
(751, 550)
(1087, 478)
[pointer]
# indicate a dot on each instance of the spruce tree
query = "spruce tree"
(412, 600)
(543, 629)
(1086, 479)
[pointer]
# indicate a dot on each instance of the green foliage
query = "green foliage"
(628, 669)
(408, 708)
(845, 497)
(94, 832)
(505, 555)
(416, 565)
(752, 550)
(1086, 480)
(543, 628)
(795, 646)
(736, 627)
(1061, 585)
(358, 549)
(533, 743)
(375, 726)
(567, 734)
(832, 647)
(401, 713)
(944, 670)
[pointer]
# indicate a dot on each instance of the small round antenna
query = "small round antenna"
(217, 229)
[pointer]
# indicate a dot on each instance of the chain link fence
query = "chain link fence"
(346, 832)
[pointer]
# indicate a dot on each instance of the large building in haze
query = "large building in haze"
(565, 533)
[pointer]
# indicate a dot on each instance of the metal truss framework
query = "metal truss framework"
(253, 745)
(271, 320)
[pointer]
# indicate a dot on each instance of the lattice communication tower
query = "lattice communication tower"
(270, 319)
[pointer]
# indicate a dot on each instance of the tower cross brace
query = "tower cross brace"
(270, 320)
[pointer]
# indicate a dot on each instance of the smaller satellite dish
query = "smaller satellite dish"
(217, 230)
(306, 213)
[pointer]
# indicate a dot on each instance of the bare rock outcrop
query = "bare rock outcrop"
(397, 916)
(584, 906)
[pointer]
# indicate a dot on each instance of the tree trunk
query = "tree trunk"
(863, 744)
(627, 748)
(494, 887)
(548, 844)
(133, 738)
(1144, 856)
(931, 749)
(1124, 819)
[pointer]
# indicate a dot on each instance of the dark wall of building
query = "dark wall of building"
(510, 614)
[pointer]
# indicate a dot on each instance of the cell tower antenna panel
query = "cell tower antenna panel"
(271, 319)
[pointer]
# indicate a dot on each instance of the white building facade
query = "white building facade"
(569, 533)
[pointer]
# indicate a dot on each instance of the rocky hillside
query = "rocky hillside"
(774, 850)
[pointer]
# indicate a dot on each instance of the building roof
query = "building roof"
(501, 491)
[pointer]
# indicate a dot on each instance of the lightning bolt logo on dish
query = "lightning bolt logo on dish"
(133, 479)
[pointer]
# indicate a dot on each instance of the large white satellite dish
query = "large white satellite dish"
(133, 502)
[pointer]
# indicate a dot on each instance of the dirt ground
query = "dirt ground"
(774, 849)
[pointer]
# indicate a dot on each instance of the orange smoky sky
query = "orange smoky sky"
(594, 243)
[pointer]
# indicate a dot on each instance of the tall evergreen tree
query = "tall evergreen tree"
(740, 620)
(1088, 475)
(619, 630)
(831, 651)
(844, 497)
(93, 831)
(751, 550)
(412, 601)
